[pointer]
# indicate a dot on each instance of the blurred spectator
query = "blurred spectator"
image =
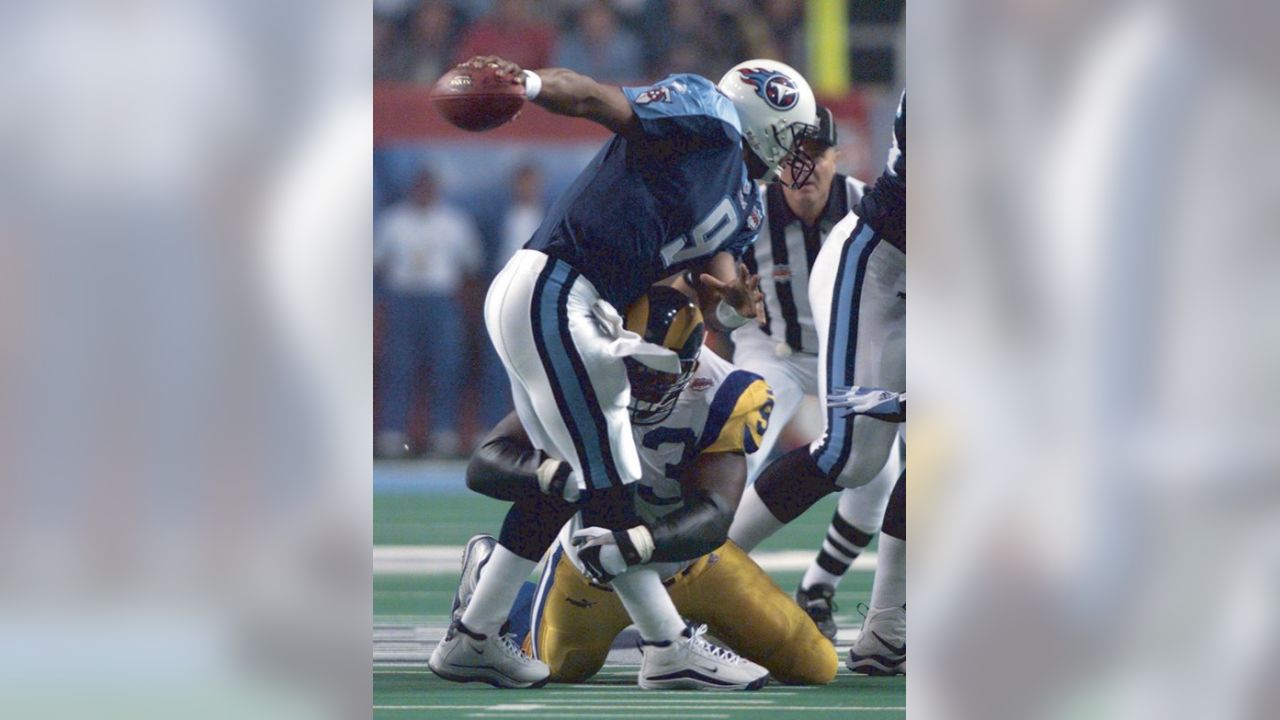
(785, 20)
(425, 251)
(702, 38)
(422, 51)
(525, 213)
(512, 32)
(521, 220)
(599, 48)
(384, 46)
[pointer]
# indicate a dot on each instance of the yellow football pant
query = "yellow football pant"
(576, 621)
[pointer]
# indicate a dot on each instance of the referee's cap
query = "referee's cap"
(826, 127)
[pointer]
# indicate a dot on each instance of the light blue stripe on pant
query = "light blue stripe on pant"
(567, 381)
(843, 344)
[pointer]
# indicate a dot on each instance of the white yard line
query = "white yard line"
(445, 559)
(553, 708)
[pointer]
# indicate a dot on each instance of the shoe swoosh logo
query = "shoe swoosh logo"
(897, 650)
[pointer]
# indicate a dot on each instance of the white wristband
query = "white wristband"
(546, 471)
(532, 84)
(728, 316)
(642, 539)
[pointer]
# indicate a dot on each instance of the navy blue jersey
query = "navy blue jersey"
(884, 206)
(653, 205)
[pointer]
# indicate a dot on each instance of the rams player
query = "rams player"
(859, 298)
(694, 431)
(672, 192)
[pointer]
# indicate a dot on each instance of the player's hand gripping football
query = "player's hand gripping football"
(504, 68)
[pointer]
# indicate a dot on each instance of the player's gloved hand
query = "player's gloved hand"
(605, 554)
(871, 402)
(557, 479)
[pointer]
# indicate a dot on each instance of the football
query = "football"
(477, 98)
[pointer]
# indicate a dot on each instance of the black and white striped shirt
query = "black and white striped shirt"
(783, 256)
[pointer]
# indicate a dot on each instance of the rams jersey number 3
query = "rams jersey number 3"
(722, 409)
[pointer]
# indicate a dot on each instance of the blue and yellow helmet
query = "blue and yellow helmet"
(663, 316)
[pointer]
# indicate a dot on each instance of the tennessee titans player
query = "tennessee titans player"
(670, 196)
(859, 297)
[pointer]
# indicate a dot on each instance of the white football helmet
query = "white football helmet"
(777, 112)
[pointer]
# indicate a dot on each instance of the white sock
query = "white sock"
(648, 604)
(890, 586)
(500, 581)
(753, 522)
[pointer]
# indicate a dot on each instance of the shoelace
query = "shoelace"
(508, 644)
(710, 648)
(863, 609)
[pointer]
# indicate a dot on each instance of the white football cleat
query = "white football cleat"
(477, 552)
(881, 647)
(691, 663)
(466, 656)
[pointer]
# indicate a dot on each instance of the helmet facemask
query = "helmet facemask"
(654, 393)
(797, 160)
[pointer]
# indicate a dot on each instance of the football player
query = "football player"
(694, 430)
(858, 294)
(671, 192)
(783, 348)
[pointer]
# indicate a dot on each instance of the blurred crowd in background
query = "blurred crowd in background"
(450, 211)
(612, 41)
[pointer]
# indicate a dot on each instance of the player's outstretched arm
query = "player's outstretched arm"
(566, 92)
(506, 466)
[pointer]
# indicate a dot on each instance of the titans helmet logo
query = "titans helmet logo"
(775, 88)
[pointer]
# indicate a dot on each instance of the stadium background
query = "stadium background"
(852, 54)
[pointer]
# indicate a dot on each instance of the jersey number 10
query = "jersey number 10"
(705, 237)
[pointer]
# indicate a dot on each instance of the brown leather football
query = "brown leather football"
(477, 98)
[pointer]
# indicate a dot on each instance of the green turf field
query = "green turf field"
(418, 536)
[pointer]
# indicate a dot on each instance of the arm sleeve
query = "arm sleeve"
(505, 469)
(750, 230)
(684, 105)
(697, 528)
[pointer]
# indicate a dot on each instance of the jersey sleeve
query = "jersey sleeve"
(684, 106)
(739, 414)
(746, 237)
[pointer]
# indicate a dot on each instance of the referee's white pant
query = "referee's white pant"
(568, 380)
(857, 290)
